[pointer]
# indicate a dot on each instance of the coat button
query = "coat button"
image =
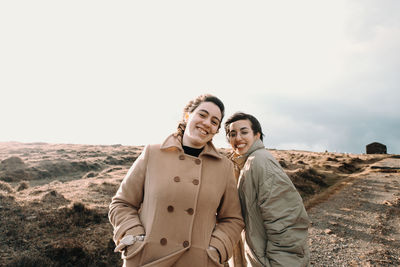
(190, 211)
(177, 179)
(185, 244)
(181, 157)
(195, 181)
(163, 241)
(198, 161)
(170, 208)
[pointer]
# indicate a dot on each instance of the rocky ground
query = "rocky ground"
(360, 225)
(54, 202)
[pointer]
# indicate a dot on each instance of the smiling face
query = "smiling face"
(241, 136)
(201, 125)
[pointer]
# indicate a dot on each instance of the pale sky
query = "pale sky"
(319, 75)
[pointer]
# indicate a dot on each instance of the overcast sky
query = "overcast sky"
(319, 75)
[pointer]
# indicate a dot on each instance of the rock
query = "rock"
(328, 231)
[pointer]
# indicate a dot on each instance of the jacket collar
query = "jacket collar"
(174, 141)
(258, 144)
(241, 159)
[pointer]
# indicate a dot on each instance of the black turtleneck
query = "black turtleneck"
(195, 152)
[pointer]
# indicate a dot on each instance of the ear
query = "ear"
(257, 136)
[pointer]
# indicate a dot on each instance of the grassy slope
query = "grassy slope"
(54, 198)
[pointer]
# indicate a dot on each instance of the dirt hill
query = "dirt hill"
(54, 197)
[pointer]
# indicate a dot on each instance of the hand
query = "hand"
(214, 249)
(127, 241)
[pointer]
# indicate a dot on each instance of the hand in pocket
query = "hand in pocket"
(214, 254)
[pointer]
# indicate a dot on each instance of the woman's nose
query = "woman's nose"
(238, 136)
(207, 123)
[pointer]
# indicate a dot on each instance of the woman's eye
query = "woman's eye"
(244, 133)
(214, 123)
(202, 115)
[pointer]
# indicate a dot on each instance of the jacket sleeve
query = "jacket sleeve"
(123, 211)
(229, 219)
(284, 217)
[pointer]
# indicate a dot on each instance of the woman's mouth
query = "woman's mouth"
(202, 131)
(240, 145)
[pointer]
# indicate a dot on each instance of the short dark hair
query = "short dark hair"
(255, 124)
(193, 104)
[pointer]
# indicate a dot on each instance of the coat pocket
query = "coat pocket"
(213, 258)
(133, 250)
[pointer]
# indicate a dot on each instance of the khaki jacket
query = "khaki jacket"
(276, 223)
(181, 203)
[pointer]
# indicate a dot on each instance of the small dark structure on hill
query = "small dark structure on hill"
(376, 148)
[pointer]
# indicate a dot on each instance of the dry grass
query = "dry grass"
(327, 193)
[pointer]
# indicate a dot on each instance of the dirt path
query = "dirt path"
(360, 225)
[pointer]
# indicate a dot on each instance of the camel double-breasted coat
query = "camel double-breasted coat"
(182, 204)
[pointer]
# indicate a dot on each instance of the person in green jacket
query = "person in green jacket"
(276, 222)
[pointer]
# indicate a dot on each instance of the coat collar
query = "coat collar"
(174, 142)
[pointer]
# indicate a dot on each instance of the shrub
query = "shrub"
(4, 186)
(22, 186)
(81, 216)
(26, 260)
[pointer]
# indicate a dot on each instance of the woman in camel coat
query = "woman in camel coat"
(178, 205)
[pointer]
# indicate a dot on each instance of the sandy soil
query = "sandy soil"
(54, 201)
